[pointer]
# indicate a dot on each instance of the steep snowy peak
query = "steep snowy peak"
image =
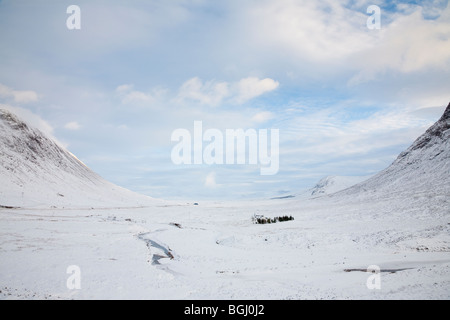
(35, 170)
(25, 148)
(423, 167)
(436, 135)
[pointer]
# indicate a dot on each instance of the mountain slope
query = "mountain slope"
(325, 186)
(423, 168)
(332, 184)
(34, 170)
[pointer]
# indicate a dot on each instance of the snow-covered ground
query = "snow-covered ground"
(132, 247)
(219, 254)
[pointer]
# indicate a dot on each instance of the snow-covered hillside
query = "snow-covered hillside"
(36, 171)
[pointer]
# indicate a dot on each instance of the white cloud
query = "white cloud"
(253, 87)
(124, 88)
(312, 30)
(134, 97)
(262, 117)
(72, 126)
(214, 93)
(409, 44)
(209, 93)
(330, 135)
(328, 37)
(137, 97)
(18, 96)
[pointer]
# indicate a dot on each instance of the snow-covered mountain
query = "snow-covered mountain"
(325, 186)
(34, 170)
(332, 184)
(423, 168)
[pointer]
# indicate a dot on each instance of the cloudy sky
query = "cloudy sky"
(346, 99)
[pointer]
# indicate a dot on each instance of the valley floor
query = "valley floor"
(214, 251)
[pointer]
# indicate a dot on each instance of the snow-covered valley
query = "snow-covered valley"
(57, 213)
